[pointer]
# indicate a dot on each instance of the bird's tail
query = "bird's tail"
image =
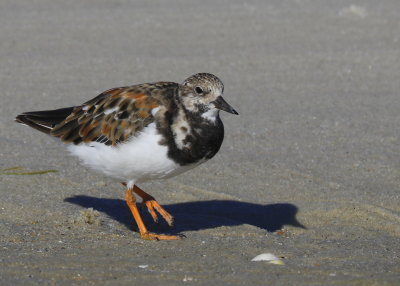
(44, 121)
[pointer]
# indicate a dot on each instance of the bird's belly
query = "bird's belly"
(140, 159)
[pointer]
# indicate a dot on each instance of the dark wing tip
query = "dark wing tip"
(44, 120)
(25, 119)
(19, 118)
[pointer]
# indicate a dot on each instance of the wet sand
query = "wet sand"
(309, 171)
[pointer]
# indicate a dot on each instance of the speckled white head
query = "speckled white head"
(202, 93)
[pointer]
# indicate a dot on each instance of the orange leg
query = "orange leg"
(144, 233)
(152, 206)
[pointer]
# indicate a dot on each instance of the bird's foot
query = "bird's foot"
(152, 206)
(154, 236)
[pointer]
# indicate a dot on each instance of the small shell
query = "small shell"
(269, 257)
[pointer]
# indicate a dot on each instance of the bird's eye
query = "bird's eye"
(198, 90)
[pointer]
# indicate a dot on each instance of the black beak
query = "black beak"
(220, 103)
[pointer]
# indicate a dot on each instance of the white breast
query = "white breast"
(140, 159)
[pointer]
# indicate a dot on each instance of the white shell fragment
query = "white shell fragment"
(187, 278)
(269, 257)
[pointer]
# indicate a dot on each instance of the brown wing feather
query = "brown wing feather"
(113, 116)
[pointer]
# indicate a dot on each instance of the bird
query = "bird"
(142, 132)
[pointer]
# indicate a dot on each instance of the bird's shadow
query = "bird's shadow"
(202, 214)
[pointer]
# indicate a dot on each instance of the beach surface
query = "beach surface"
(309, 171)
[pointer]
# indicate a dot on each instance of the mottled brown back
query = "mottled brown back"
(115, 115)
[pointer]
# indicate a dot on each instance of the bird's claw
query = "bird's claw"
(154, 236)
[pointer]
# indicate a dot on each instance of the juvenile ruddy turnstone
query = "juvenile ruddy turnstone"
(142, 132)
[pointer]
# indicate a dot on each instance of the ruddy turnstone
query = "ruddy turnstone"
(142, 132)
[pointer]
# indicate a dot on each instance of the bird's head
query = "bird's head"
(202, 93)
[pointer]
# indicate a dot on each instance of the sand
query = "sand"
(308, 172)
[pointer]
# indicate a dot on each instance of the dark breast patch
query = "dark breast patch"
(201, 144)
